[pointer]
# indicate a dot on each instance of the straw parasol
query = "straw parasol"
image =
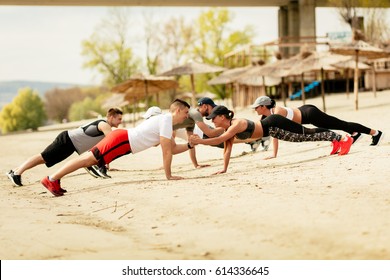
(319, 62)
(139, 86)
(229, 76)
(269, 73)
(347, 66)
(357, 49)
(191, 69)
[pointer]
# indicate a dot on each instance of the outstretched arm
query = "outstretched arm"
(226, 155)
(193, 154)
(166, 147)
(209, 131)
(275, 143)
(228, 134)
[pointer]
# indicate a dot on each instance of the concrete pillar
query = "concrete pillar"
(283, 28)
(307, 19)
(296, 19)
(293, 25)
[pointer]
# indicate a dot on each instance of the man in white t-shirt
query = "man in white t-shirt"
(151, 132)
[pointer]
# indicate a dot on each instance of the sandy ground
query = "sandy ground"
(303, 205)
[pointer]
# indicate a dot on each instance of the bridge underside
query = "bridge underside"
(162, 3)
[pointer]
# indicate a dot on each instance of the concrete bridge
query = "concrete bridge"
(296, 17)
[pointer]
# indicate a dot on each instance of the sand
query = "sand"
(303, 205)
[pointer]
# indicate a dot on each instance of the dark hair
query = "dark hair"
(114, 111)
(221, 110)
(179, 103)
(273, 104)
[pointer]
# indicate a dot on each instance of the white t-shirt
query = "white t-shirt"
(148, 133)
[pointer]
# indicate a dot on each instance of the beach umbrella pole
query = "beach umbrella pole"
(303, 88)
(323, 89)
(193, 90)
(356, 81)
(373, 80)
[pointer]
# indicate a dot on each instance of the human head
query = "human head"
(179, 110)
(152, 111)
(263, 101)
(114, 117)
(205, 105)
(220, 110)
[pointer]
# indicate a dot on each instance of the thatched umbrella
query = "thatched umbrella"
(275, 70)
(139, 87)
(347, 66)
(191, 69)
(229, 76)
(357, 49)
(321, 62)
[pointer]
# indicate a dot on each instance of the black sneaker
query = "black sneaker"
(102, 171)
(15, 179)
(377, 139)
(356, 137)
(92, 172)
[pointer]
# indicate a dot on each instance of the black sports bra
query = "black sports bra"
(247, 133)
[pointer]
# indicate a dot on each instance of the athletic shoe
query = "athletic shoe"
(102, 171)
(265, 143)
(345, 145)
(336, 147)
(255, 144)
(356, 137)
(15, 179)
(63, 190)
(377, 139)
(92, 172)
(53, 187)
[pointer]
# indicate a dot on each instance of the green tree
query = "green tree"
(108, 50)
(215, 38)
(26, 111)
(86, 109)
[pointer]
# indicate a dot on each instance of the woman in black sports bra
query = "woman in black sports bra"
(274, 125)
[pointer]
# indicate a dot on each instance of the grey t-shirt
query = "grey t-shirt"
(193, 117)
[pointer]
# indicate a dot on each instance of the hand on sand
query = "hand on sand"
(175, 178)
(202, 166)
(270, 157)
(219, 172)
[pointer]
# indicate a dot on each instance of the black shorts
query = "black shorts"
(61, 148)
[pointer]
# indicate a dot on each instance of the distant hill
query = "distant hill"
(9, 89)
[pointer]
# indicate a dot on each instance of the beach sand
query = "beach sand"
(305, 204)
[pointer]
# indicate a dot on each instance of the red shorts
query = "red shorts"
(113, 146)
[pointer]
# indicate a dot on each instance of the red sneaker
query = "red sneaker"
(336, 147)
(346, 145)
(53, 187)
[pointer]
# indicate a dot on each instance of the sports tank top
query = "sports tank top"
(290, 113)
(86, 136)
(247, 133)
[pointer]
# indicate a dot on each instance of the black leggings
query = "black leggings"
(312, 115)
(284, 129)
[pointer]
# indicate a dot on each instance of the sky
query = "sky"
(44, 43)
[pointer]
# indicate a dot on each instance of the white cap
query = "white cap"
(152, 111)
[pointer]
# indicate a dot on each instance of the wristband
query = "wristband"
(189, 146)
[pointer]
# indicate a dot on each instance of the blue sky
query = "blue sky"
(44, 43)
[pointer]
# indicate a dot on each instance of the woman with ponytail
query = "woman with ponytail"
(310, 114)
(274, 125)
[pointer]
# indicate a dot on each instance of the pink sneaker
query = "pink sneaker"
(346, 145)
(53, 187)
(336, 147)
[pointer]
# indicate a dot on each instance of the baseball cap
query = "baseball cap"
(152, 111)
(262, 100)
(206, 100)
(218, 110)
